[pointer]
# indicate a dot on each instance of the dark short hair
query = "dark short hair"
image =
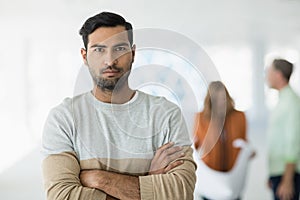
(104, 19)
(285, 67)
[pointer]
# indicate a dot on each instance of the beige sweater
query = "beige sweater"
(83, 133)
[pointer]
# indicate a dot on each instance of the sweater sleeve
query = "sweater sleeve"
(179, 183)
(61, 167)
(61, 179)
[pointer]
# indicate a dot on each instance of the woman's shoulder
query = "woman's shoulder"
(238, 114)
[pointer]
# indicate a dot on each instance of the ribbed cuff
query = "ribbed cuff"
(146, 188)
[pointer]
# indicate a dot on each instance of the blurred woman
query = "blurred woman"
(217, 126)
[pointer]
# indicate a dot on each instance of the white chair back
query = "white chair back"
(223, 185)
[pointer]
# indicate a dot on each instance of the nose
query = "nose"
(110, 59)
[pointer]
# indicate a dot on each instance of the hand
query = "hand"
(253, 155)
(164, 159)
(269, 184)
(285, 190)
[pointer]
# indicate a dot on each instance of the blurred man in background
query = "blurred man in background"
(284, 134)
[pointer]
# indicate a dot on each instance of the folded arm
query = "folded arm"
(178, 183)
(174, 180)
(119, 186)
(61, 179)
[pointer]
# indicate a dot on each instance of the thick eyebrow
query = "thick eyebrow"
(98, 45)
(104, 46)
(121, 44)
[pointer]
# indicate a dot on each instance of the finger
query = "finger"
(165, 159)
(286, 197)
(164, 147)
(280, 194)
(173, 165)
(173, 150)
(175, 156)
(158, 171)
(289, 196)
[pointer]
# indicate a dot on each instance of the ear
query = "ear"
(133, 52)
(84, 55)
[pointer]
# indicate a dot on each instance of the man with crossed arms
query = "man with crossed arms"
(114, 142)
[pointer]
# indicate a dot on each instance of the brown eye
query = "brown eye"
(99, 49)
(120, 48)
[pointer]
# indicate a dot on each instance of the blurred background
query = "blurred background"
(40, 61)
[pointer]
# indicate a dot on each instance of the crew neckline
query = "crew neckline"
(99, 104)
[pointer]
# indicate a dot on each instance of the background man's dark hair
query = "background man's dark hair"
(104, 19)
(285, 67)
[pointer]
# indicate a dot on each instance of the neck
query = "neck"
(117, 96)
(282, 85)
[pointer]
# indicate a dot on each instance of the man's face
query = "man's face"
(109, 56)
(272, 76)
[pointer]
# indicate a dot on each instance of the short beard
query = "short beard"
(111, 84)
(106, 84)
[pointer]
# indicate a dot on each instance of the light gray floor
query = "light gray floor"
(23, 180)
(256, 185)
